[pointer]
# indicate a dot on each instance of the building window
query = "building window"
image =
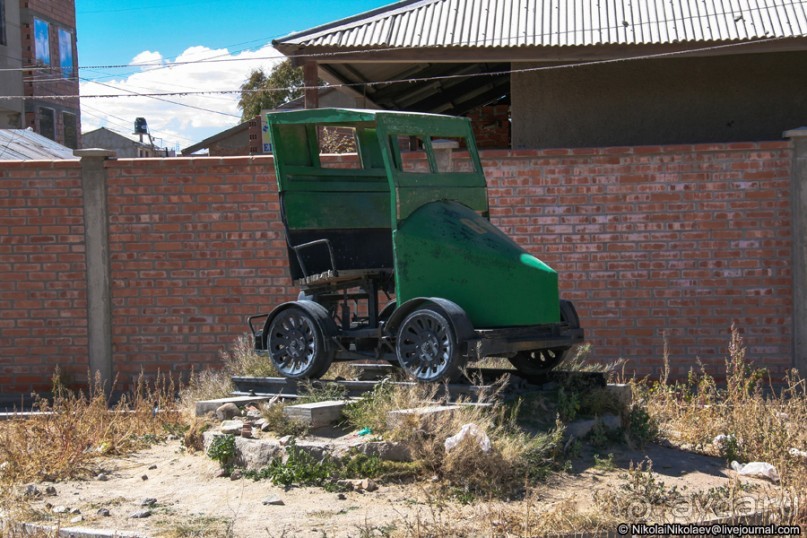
(66, 52)
(3, 22)
(41, 42)
(47, 122)
(70, 130)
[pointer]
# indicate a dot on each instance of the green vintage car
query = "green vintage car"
(396, 259)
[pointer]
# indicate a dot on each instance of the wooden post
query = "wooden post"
(311, 81)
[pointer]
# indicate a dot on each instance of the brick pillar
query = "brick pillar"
(798, 197)
(96, 235)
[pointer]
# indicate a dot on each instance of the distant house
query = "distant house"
(576, 73)
(247, 138)
(125, 147)
(26, 145)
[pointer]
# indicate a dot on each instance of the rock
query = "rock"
(104, 512)
(50, 491)
(231, 427)
(368, 485)
(75, 511)
(285, 440)
(77, 519)
(144, 477)
(221, 473)
(102, 477)
(140, 514)
(236, 475)
(246, 431)
(254, 412)
(341, 496)
(150, 501)
(253, 454)
(274, 500)
(384, 450)
(60, 509)
(32, 491)
(227, 411)
(152, 467)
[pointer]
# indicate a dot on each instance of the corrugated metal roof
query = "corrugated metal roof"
(556, 23)
(26, 145)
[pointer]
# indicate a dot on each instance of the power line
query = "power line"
(735, 16)
(158, 95)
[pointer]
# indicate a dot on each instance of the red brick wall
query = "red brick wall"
(648, 241)
(196, 247)
(43, 304)
(491, 126)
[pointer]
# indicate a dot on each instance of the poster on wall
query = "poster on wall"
(266, 136)
(66, 52)
(42, 42)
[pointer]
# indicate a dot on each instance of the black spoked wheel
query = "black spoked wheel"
(538, 361)
(426, 346)
(296, 344)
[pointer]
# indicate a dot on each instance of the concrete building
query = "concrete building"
(123, 146)
(38, 42)
(577, 73)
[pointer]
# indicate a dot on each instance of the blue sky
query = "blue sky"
(156, 34)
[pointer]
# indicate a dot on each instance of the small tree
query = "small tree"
(262, 91)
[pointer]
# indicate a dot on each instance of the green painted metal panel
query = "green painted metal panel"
(445, 249)
(334, 210)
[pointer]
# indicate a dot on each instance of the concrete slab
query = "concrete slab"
(622, 393)
(204, 407)
(316, 414)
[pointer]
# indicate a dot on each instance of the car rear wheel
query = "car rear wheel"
(296, 344)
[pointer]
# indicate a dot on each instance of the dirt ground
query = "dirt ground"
(192, 501)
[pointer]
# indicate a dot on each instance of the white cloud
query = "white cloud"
(171, 120)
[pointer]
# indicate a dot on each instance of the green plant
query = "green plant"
(281, 424)
(642, 427)
(222, 450)
(604, 464)
(313, 392)
(568, 402)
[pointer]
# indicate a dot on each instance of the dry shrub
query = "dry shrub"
(467, 470)
(76, 428)
(760, 421)
(242, 360)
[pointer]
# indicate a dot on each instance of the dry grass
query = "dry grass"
(76, 429)
(761, 418)
(240, 359)
(468, 471)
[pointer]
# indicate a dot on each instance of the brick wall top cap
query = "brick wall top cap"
(95, 152)
(799, 132)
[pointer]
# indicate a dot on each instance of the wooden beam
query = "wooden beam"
(311, 81)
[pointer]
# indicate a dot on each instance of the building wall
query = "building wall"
(11, 111)
(53, 81)
(650, 242)
(663, 101)
(122, 146)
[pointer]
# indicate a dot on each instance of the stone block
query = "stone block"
(316, 414)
